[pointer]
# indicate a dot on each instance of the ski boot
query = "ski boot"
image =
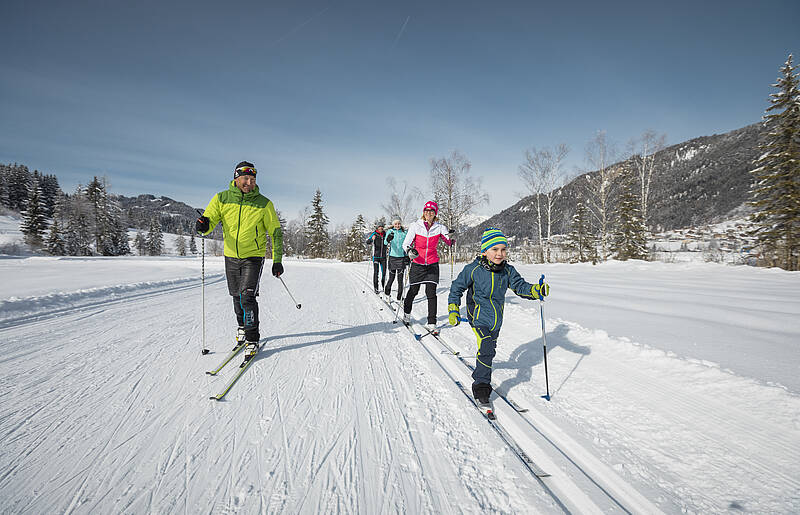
(482, 392)
(431, 328)
(240, 337)
(250, 351)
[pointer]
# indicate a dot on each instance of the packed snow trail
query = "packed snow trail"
(105, 409)
(105, 404)
(682, 431)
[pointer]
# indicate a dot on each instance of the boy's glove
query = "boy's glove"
(455, 317)
(201, 225)
(390, 236)
(412, 253)
(541, 290)
(277, 269)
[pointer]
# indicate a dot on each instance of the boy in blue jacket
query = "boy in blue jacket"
(485, 281)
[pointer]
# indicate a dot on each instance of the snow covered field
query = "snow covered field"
(673, 388)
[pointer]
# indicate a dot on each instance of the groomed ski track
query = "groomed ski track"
(577, 481)
(105, 410)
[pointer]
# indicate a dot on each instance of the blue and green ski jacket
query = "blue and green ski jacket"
(486, 291)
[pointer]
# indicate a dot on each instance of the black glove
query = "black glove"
(202, 224)
(412, 253)
(390, 236)
(277, 269)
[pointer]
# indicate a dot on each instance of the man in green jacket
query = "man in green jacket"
(247, 216)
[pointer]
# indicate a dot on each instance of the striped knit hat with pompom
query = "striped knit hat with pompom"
(492, 236)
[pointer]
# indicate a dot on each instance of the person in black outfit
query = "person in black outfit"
(378, 256)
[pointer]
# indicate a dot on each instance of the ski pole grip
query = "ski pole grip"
(200, 212)
(541, 283)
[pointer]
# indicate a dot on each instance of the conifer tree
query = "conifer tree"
(18, 180)
(580, 241)
(78, 238)
(776, 191)
(140, 242)
(116, 243)
(50, 193)
(192, 243)
(630, 239)
(155, 239)
(317, 229)
(4, 179)
(288, 240)
(34, 221)
(354, 246)
(180, 243)
(96, 195)
(56, 246)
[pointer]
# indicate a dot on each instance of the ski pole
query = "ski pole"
(290, 293)
(203, 288)
(203, 292)
(544, 337)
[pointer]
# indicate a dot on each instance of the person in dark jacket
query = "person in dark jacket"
(485, 282)
(397, 257)
(378, 256)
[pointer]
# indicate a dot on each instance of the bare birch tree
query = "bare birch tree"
(456, 191)
(402, 201)
(542, 175)
(600, 156)
(643, 157)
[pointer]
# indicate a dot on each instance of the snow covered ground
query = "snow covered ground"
(673, 388)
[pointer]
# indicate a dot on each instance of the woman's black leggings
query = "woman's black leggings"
(417, 276)
(399, 273)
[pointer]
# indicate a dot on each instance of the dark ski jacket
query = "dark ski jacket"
(486, 291)
(378, 246)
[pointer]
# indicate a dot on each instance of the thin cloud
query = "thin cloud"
(400, 34)
(298, 27)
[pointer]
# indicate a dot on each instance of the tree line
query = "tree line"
(611, 219)
(87, 222)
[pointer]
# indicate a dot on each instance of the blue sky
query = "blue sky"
(166, 97)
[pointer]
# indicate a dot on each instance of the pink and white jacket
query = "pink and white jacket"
(425, 239)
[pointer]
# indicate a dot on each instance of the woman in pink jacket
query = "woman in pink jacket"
(420, 243)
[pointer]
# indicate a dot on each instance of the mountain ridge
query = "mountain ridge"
(696, 182)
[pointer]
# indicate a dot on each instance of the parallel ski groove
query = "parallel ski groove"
(456, 353)
(529, 463)
(532, 467)
(561, 493)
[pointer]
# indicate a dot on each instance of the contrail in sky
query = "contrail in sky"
(399, 34)
(301, 26)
